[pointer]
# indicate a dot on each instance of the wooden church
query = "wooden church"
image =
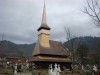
(47, 51)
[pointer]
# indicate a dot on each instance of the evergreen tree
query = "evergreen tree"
(81, 52)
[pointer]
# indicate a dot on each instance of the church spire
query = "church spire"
(44, 15)
(44, 22)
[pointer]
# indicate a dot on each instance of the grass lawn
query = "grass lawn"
(7, 71)
(41, 72)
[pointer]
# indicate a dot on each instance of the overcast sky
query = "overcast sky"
(20, 19)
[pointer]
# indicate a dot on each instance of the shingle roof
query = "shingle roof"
(56, 48)
(44, 26)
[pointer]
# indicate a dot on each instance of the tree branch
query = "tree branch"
(93, 10)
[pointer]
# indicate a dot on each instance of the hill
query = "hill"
(93, 43)
(9, 48)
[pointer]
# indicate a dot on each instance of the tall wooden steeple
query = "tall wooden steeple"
(44, 30)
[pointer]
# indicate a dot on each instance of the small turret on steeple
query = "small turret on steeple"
(44, 22)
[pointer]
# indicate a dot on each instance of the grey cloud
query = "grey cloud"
(19, 19)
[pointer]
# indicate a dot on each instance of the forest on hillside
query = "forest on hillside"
(84, 47)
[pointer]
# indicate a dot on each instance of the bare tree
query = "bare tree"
(92, 8)
(70, 39)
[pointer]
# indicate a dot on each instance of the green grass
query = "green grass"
(41, 72)
(84, 73)
(7, 71)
